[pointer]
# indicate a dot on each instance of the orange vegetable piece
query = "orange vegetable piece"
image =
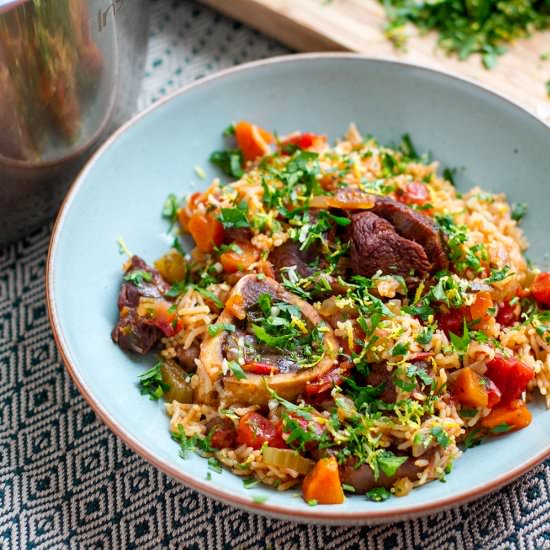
(252, 140)
(235, 306)
(206, 231)
(233, 261)
(515, 414)
(469, 389)
(479, 309)
(322, 484)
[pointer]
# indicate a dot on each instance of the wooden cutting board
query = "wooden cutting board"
(357, 25)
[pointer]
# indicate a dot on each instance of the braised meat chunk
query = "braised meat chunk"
(290, 255)
(132, 332)
(414, 226)
(376, 245)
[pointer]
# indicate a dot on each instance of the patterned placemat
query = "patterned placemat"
(67, 482)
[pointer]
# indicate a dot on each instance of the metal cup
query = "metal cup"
(70, 71)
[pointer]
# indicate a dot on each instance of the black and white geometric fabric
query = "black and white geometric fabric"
(67, 482)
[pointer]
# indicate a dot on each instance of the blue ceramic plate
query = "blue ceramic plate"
(121, 191)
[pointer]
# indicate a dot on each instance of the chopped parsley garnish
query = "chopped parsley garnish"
(217, 328)
(229, 161)
(449, 175)
(138, 276)
(389, 463)
(467, 412)
(196, 443)
(440, 436)
(463, 257)
(400, 348)
(425, 337)
(407, 148)
(519, 210)
(281, 326)
(466, 27)
(237, 370)
(214, 465)
(229, 131)
(378, 494)
(170, 210)
(259, 499)
(234, 217)
(151, 383)
(503, 427)
(473, 438)
(498, 275)
(250, 482)
(461, 343)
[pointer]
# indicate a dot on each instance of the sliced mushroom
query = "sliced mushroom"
(253, 389)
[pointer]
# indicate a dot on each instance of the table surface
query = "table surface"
(67, 482)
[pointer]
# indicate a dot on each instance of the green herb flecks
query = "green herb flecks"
(467, 27)
(519, 210)
(281, 326)
(152, 384)
(170, 210)
(378, 494)
(234, 217)
(217, 328)
(229, 161)
(138, 276)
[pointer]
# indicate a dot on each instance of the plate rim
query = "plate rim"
(314, 515)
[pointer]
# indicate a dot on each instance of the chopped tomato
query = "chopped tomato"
(252, 140)
(255, 430)
(415, 193)
(469, 389)
(260, 368)
(480, 308)
(506, 314)
(541, 289)
(510, 375)
(305, 140)
(322, 484)
(222, 434)
(241, 259)
(206, 231)
(161, 314)
(452, 321)
(507, 417)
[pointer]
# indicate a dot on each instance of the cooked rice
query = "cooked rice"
(489, 223)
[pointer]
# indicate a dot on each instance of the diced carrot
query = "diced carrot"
(469, 389)
(183, 217)
(511, 416)
(479, 309)
(233, 260)
(322, 484)
(206, 231)
(235, 306)
(252, 140)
